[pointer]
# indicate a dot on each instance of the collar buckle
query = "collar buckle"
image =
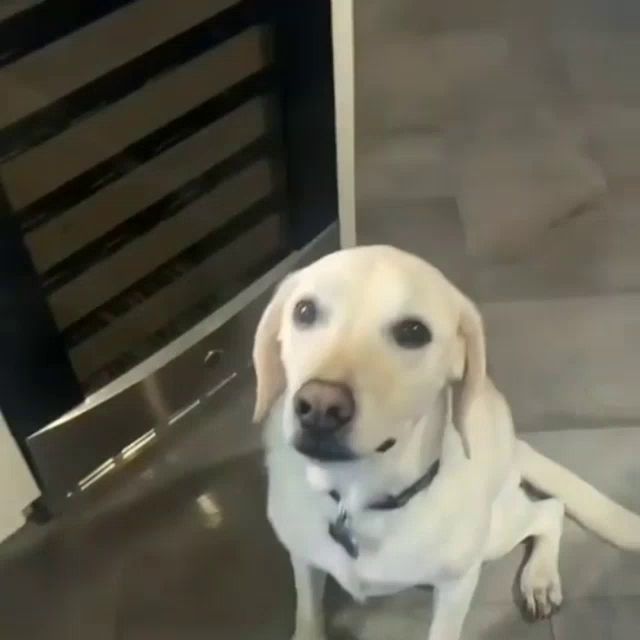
(340, 529)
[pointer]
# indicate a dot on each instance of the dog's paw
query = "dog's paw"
(541, 589)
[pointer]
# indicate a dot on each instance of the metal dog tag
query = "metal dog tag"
(341, 532)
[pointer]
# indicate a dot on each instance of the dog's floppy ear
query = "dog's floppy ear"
(471, 366)
(270, 376)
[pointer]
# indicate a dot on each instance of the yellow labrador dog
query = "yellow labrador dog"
(392, 457)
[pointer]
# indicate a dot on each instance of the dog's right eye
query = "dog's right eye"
(305, 313)
(411, 333)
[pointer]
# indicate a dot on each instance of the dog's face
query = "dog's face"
(362, 343)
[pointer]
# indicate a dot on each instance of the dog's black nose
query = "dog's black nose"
(324, 407)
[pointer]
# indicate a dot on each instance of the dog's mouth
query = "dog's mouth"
(323, 449)
(389, 443)
(328, 449)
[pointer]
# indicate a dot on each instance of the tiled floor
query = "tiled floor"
(180, 549)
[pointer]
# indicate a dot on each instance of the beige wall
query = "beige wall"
(343, 68)
(17, 487)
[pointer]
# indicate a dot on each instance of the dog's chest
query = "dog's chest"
(396, 550)
(362, 571)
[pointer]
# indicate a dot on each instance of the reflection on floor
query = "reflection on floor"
(179, 549)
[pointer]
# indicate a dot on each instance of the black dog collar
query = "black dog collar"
(340, 529)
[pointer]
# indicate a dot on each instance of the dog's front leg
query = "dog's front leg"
(309, 584)
(451, 605)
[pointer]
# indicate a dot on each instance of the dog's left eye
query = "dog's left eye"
(411, 333)
(305, 313)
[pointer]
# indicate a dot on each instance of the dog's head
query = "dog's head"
(362, 343)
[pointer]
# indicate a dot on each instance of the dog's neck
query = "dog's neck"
(362, 481)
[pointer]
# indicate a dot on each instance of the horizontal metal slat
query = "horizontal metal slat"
(170, 271)
(56, 115)
(36, 24)
(213, 275)
(78, 189)
(124, 198)
(114, 274)
(144, 221)
(46, 167)
(10, 8)
(50, 73)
